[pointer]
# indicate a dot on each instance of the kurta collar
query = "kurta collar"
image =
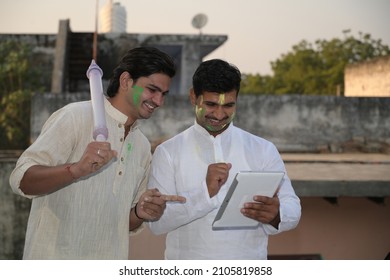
(116, 114)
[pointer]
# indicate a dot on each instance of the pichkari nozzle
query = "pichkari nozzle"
(94, 74)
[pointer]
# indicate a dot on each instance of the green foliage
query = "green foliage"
(254, 83)
(15, 120)
(315, 69)
(18, 80)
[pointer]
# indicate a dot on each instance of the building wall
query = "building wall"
(371, 78)
(293, 123)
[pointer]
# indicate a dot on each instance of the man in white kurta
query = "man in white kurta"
(183, 165)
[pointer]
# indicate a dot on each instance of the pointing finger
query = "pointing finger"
(174, 198)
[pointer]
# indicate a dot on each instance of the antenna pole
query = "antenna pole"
(94, 50)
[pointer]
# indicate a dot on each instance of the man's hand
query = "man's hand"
(152, 203)
(96, 155)
(264, 209)
(217, 175)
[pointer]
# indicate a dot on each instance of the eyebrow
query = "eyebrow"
(157, 88)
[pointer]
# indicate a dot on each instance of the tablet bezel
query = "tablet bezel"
(245, 185)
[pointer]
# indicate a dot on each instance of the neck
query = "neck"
(127, 130)
(118, 104)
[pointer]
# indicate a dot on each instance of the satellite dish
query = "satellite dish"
(199, 21)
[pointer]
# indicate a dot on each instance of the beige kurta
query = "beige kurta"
(88, 219)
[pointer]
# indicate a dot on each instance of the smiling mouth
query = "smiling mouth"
(215, 122)
(150, 107)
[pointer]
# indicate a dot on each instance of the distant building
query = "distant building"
(368, 79)
(112, 18)
(67, 55)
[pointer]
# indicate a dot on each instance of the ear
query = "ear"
(124, 80)
(192, 96)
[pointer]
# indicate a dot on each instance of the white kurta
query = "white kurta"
(88, 219)
(179, 166)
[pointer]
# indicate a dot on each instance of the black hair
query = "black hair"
(141, 62)
(216, 75)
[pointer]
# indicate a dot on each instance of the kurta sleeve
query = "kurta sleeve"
(198, 202)
(51, 148)
(290, 207)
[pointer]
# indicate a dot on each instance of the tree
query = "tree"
(254, 84)
(316, 69)
(18, 80)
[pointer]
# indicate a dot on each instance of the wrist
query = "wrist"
(71, 172)
(276, 221)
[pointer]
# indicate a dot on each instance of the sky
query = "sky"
(259, 31)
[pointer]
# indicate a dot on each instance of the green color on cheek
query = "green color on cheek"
(199, 111)
(137, 94)
(210, 128)
(232, 117)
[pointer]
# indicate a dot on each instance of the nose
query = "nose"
(219, 113)
(158, 99)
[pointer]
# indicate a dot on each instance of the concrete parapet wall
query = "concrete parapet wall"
(14, 211)
(43, 105)
(294, 123)
(313, 123)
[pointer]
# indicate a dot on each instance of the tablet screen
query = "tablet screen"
(245, 185)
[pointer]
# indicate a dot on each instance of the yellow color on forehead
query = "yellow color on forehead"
(221, 100)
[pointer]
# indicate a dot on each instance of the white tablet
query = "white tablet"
(244, 186)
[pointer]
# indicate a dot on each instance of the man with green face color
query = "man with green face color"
(200, 164)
